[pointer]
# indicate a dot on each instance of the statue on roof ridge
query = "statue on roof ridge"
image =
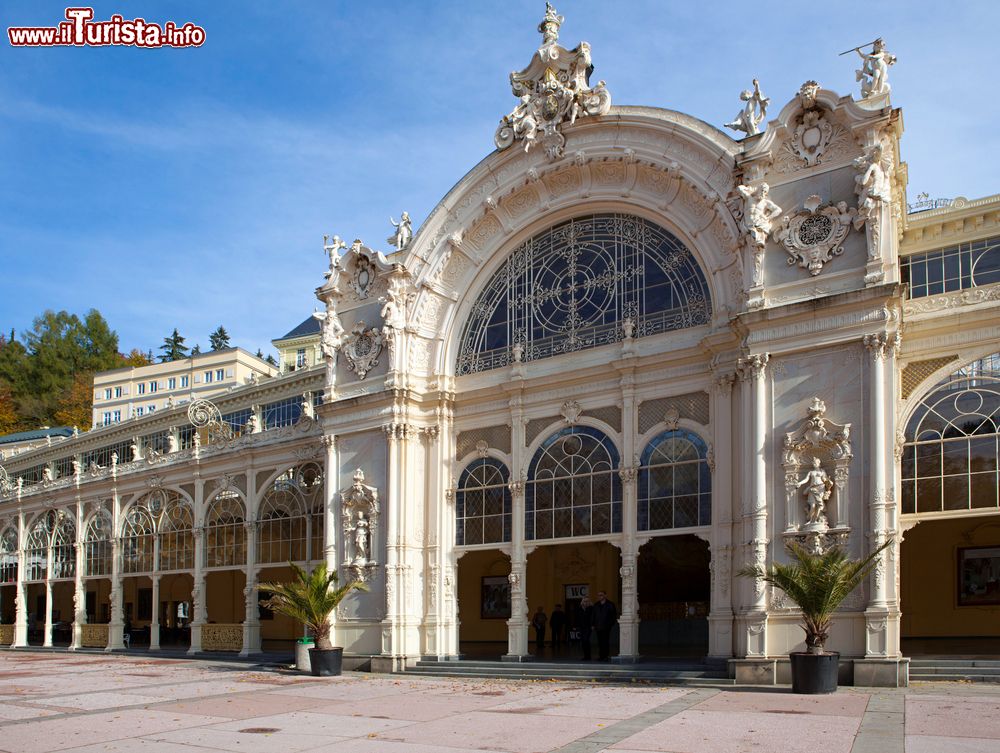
(554, 88)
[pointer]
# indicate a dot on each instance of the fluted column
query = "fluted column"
(754, 367)
(251, 618)
(881, 347)
(199, 604)
(720, 617)
(517, 625)
(47, 639)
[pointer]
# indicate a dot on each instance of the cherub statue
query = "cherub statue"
(817, 492)
(874, 71)
(753, 113)
(404, 232)
(332, 248)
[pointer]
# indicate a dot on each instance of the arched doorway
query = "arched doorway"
(950, 555)
(674, 586)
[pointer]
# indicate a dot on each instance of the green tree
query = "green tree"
(219, 339)
(196, 350)
(61, 349)
(173, 347)
(136, 357)
(271, 360)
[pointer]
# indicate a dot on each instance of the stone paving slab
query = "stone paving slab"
(86, 704)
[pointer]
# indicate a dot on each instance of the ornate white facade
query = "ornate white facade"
(569, 327)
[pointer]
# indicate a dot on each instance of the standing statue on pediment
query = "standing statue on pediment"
(818, 488)
(874, 71)
(403, 232)
(331, 339)
(753, 113)
(332, 247)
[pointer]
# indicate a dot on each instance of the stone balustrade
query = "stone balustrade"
(95, 636)
(221, 637)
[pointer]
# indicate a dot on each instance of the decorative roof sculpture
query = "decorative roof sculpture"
(554, 88)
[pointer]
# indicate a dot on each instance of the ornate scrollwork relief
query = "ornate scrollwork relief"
(553, 89)
(814, 137)
(362, 348)
(814, 235)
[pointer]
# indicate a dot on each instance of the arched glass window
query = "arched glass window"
(176, 534)
(36, 550)
(282, 522)
(950, 454)
(573, 486)
(225, 536)
(483, 504)
(97, 547)
(309, 478)
(8, 555)
(675, 483)
(63, 547)
(138, 535)
(574, 286)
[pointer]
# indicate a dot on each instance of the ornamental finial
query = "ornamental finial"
(550, 24)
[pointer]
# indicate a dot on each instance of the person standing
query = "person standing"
(586, 616)
(605, 617)
(556, 624)
(538, 623)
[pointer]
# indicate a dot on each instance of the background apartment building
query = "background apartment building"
(299, 348)
(140, 390)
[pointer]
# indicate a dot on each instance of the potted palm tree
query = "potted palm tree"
(818, 583)
(310, 599)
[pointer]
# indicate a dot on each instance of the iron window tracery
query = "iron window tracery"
(8, 555)
(97, 545)
(573, 286)
(675, 483)
(950, 455)
(573, 487)
(225, 537)
(967, 265)
(483, 503)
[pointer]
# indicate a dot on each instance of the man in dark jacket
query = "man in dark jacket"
(605, 616)
(538, 623)
(586, 624)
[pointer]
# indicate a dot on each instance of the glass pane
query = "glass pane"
(984, 490)
(929, 495)
(956, 492)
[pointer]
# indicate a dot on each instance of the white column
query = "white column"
(154, 624)
(198, 596)
(628, 620)
(331, 525)
(47, 640)
(394, 628)
(517, 625)
(880, 347)
(117, 624)
(79, 587)
(754, 367)
(720, 616)
(21, 595)
(251, 619)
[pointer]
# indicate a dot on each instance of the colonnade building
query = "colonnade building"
(626, 352)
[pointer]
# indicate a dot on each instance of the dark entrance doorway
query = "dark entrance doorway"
(674, 587)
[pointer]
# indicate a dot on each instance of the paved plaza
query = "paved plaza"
(90, 703)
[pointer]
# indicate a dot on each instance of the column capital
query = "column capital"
(882, 345)
(628, 474)
(751, 367)
(328, 440)
(517, 488)
(723, 383)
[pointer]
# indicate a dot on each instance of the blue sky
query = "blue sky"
(192, 187)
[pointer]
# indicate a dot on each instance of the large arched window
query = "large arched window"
(483, 504)
(675, 484)
(138, 536)
(63, 547)
(225, 537)
(290, 521)
(950, 455)
(36, 549)
(97, 546)
(573, 486)
(580, 285)
(176, 534)
(8, 555)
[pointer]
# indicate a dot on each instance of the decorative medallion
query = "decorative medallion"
(363, 348)
(813, 236)
(364, 276)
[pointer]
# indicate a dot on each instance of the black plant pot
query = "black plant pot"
(325, 662)
(814, 673)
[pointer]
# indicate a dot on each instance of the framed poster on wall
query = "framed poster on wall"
(495, 603)
(978, 576)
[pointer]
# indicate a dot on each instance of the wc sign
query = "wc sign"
(578, 591)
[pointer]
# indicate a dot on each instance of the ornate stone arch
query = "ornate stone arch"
(660, 165)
